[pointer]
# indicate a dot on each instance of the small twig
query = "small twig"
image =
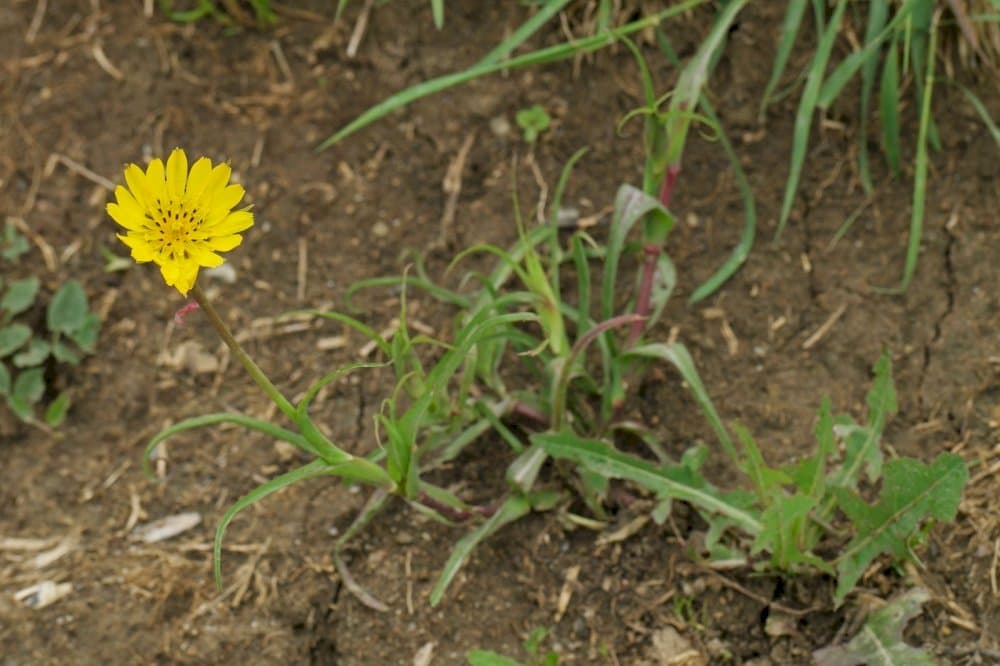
(77, 168)
(279, 57)
(97, 50)
(36, 22)
(303, 270)
(352, 586)
(359, 29)
(825, 328)
(733, 585)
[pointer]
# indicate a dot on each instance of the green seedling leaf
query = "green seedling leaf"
(912, 492)
(4, 380)
(20, 296)
(515, 507)
(86, 336)
(12, 243)
(880, 641)
(35, 354)
(29, 386)
(489, 658)
(55, 413)
(67, 312)
(64, 354)
(533, 121)
(676, 482)
(785, 531)
(12, 337)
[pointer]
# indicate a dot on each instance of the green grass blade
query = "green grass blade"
(308, 471)
(677, 355)
(437, 10)
(981, 109)
(317, 386)
(363, 329)
(269, 429)
(513, 508)
(542, 56)
(605, 460)
(527, 29)
(440, 293)
(789, 30)
(888, 99)
(878, 11)
(920, 170)
(804, 116)
(742, 249)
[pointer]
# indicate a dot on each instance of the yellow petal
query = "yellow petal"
(224, 243)
(141, 250)
(187, 277)
(198, 179)
(170, 271)
(217, 180)
(225, 200)
(155, 178)
(233, 223)
(177, 170)
(202, 256)
(139, 186)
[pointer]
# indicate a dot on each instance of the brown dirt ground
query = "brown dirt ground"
(351, 211)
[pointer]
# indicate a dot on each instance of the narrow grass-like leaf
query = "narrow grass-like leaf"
(888, 98)
(677, 355)
(878, 10)
(912, 492)
(265, 427)
(307, 471)
(542, 56)
(437, 11)
(920, 172)
(804, 115)
(789, 30)
(605, 460)
(513, 508)
(361, 328)
(981, 109)
(440, 293)
(526, 30)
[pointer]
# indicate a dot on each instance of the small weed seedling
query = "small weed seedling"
(70, 331)
(532, 645)
(533, 121)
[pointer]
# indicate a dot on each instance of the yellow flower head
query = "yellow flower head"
(180, 219)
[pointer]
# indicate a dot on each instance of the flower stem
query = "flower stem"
(255, 372)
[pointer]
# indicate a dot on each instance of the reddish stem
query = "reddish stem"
(652, 253)
(669, 179)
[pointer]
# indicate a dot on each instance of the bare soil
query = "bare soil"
(97, 85)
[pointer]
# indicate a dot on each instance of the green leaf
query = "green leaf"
(888, 98)
(86, 336)
(677, 482)
(21, 408)
(785, 523)
(20, 295)
(911, 493)
(489, 658)
(29, 386)
(55, 413)
(789, 30)
(880, 641)
(35, 354)
(862, 443)
(4, 380)
(308, 471)
(804, 115)
(515, 506)
(533, 121)
(12, 337)
(64, 354)
(12, 243)
(67, 312)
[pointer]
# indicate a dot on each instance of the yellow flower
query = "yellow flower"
(179, 219)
